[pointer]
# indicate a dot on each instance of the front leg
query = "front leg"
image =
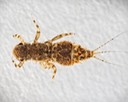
(19, 65)
(49, 66)
(19, 38)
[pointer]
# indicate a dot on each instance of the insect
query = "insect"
(48, 52)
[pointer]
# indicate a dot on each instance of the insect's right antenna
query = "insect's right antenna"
(106, 61)
(108, 41)
(110, 52)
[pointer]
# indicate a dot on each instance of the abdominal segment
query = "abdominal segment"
(62, 52)
(66, 53)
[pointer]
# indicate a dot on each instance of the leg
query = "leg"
(49, 66)
(18, 65)
(37, 32)
(60, 36)
(19, 38)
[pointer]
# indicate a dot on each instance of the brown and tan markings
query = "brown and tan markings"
(46, 53)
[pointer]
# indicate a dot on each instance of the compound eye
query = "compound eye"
(21, 59)
(20, 43)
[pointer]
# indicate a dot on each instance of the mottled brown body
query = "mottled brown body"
(35, 51)
(64, 52)
(46, 53)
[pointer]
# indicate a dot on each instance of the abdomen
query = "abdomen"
(62, 52)
(66, 53)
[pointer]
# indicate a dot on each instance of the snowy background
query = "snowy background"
(94, 22)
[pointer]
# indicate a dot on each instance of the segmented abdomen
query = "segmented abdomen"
(67, 53)
(61, 52)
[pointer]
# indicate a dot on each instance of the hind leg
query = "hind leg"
(37, 32)
(60, 36)
(48, 65)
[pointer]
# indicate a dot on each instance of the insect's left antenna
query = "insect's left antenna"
(109, 41)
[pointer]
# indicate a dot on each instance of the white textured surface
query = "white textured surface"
(94, 22)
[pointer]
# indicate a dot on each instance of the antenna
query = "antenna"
(109, 41)
(107, 61)
(110, 52)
